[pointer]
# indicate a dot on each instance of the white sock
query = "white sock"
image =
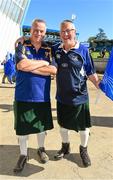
(84, 136)
(23, 144)
(64, 135)
(41, 139)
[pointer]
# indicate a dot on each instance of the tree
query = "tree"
(100, 41)
(91, 39)
(101, 35)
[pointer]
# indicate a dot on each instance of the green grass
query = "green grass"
(97, 54)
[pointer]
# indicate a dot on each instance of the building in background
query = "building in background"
(52, 35)
(12, 13)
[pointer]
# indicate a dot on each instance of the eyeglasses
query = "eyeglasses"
(68, 31)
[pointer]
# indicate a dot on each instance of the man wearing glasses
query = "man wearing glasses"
(74, 67)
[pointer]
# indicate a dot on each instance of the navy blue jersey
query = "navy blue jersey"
(32, 87)
(73, 67)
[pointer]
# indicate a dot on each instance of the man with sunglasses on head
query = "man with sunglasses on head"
(74, 67)
(32, 107)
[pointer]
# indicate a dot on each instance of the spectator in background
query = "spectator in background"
(9, 68)
(4, 75)
(103, 53)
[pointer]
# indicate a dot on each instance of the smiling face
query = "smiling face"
(38, 31)
(67, 33)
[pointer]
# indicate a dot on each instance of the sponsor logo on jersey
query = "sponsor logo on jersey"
(73, 57)
(58, 56)
(65, 65)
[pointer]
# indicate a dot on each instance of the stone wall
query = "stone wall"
(100, 64)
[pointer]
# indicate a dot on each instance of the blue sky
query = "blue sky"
(90, 15)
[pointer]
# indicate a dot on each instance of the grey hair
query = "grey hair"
(67, 21)
(38, 20)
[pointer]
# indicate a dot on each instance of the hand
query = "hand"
(46, 63)
(20, 40)
(97, 84)
(43, 62)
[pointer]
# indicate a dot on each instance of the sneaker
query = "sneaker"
(42, 155)
(64, 150)
(20, 163)
(84, 156)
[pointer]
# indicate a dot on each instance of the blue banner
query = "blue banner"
(106, 85)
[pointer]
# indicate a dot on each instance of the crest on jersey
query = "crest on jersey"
(28, 52)
(58, 56)
(65, 65)
(73, 57)
(47, 54)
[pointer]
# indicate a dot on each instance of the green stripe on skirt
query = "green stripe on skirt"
(31, 117)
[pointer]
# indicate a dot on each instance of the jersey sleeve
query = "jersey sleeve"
(54, 63)
(89, 64)
(20, 53)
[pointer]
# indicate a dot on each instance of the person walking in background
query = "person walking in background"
(32, 107)
(74, 67)
(4, 75)
(9, 68)
(103, 53)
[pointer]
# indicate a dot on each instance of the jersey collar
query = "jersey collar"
(74, 47)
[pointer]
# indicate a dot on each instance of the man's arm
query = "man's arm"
(46, 70)
(29, 65)
(34, 66)
(20, 40)
(25, 64)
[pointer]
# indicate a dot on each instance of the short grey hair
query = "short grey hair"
(38, 21)
(67, 21)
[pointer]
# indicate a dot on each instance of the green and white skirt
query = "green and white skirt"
(31, 117)
(74, 117)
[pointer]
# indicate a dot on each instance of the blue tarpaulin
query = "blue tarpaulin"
(106, 85)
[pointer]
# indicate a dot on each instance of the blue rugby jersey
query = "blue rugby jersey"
(73, 67)
(32, 87)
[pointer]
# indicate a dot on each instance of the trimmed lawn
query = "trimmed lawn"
(98, 55)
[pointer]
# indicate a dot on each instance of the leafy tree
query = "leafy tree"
(101, 35)
(91, 39)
